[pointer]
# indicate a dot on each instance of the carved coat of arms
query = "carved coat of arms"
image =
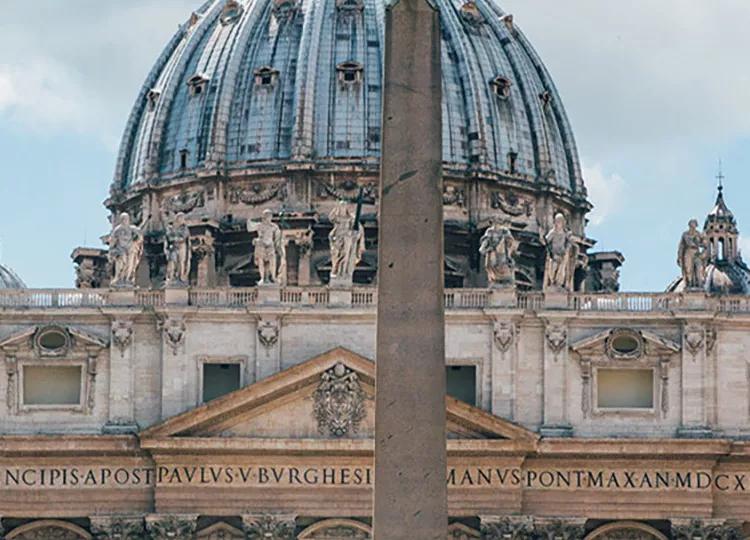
(339, 402)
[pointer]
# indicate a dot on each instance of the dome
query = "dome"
(270, 83)
(9, 279)
(275, 106)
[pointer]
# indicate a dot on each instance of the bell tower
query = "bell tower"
(720, 229)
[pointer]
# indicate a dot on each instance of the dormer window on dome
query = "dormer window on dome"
(507, 20)
(231, 13)
(546, 99)
(501, 87)
(266, 76)
(153, 98)
(198, 84)
(471, 14)
(284, 8)
(350, 73)
(350, 5)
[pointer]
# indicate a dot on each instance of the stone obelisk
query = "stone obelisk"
(410, 455)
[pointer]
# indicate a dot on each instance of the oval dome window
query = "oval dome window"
(52, 340)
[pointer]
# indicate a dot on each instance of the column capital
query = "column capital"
(507, 528)
(117, 527)
(269, 526)
(559, 529)
(171, 526)
(709, 529)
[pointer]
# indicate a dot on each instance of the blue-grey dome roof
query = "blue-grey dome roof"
(263, 83)
(9, 279)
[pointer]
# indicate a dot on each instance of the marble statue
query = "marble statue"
(499, 249)
(691, 256)
(177, 250)
(347, 244)
(125, 251)
(270, 253)
(561, 253)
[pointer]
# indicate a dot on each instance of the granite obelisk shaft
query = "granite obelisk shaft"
(410, 455)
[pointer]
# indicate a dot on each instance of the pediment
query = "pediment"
(647, 344)
(329, 397)
(70, 338)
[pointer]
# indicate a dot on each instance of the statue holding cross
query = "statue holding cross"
(347, 243)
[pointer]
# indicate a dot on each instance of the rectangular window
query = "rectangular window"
(462, 383)
(52, 385)
(625, 388)
(220, 379)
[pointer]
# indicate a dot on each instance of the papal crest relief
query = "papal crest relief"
(339, 402)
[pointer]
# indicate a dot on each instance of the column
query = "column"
(410, 454)
(504, 359)
(118, 527)
(176, 395)
(267, 347)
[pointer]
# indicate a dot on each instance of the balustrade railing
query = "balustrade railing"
(364, 297)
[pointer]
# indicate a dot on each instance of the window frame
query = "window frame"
(630, 411)
(241, 360)
(478, 365)
(24, 407)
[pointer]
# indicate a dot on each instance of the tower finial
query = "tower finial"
(720, 177)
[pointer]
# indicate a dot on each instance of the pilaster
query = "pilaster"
(556, 422)
(121, 375)
(504, 366)
(694, 359)
(175, 392)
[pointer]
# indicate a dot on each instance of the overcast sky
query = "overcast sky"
(657, 92)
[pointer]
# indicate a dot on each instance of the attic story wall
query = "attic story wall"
(154, 370)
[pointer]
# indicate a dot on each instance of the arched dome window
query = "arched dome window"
(501, 87)
(546, 99)
(471, 14)
(231, 13)
(284, 8)
(350, 73)
(266, 76)
(153, 98)
(198, 84)
(350, 5)
(507, 20)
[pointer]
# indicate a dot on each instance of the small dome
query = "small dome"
(9, 279)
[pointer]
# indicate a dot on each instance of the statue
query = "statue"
(561, 254)
(691, 256)
(125, 251)
(177, 250)
(499, 249)
(347, 244)
(269, 246)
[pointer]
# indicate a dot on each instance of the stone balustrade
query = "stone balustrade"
(365, 297)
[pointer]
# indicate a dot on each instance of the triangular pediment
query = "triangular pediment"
(328, 397)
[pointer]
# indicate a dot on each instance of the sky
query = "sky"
(657, 92)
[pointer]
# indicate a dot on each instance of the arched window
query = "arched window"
(48, 530)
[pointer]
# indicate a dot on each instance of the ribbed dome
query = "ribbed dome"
(9, 279)
(270, 83)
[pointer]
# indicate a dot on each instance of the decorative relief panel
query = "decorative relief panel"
(337, 529)
(48, 530)
(122, 334)
(507, 529)
(184, 202)
(505, 334)
(257, 193)
(511, 204)
(220, 531)
(174, 330)
(268, 333)
(348, 190)
(453, 196)
(557, 337)
(339, 402)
